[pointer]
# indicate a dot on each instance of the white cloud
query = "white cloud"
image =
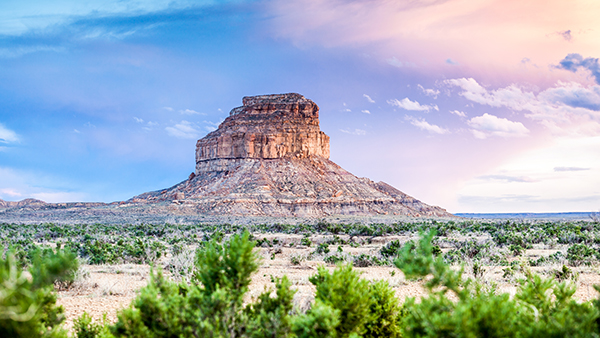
(566, 108)
(138, 120)
(490, 125)
(150, 125)
(411, 105)
(459, 113)
(190, 112)
(354, 132)
(183, 129)
(368, 98)
(25, 15)
(451, 62)
(366, 111)
(564, 175)
(7, 135)
(397, 63)
(10, 192)
(19, 51)
(168, 108)
(19, 184)
(570, 169)
(429, 92)
(424, 125)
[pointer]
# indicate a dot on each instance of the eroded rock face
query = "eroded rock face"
(270, 158)
(266, 127)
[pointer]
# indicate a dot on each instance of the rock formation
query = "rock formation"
(269, 157)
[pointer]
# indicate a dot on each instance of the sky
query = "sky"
(472, 105)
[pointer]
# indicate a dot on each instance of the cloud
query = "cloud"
(25, 16)
(459, 113)
(397, 63)
(168, 108)
(354, 132)
(451, 62)
(190, 112)
(17, 51)
(574, 95)
(424, 125)
(7, 135)
(429, 92)
(411, 105)
(19, 184)
(566, 35)
(490, 125)
(566, 108)
(570, 169)
(508, 178)
(150, 126)
(366, 111)
(138, 120)
(368, 98)
(184, 129)
(574, 61)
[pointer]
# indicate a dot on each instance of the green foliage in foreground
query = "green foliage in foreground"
(214, 303)
(541, 307)
(28, 303)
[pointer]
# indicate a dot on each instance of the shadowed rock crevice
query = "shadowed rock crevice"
(269, 157)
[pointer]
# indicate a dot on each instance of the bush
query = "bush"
(28, 305)
(320, 321)
(344, 291)
(385, 311)
(579, 254)
(212, 304)
(364, 260)
(391, 249)
(541, 307)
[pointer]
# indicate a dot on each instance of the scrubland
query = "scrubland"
(413, 278)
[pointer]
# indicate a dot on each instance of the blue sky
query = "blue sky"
(476, 106)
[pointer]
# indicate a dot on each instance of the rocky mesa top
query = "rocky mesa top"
(267, 127)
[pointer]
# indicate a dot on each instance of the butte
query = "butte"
(270, 158)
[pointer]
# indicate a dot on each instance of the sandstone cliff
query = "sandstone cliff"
(269, 157)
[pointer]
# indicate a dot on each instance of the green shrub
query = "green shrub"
(334, 259)
(578, 254)
(391, 249)
(322, 248)
(364, 260)
(306, 241)
(212, 304)
(270, 317)
(344, 291)
(28, 305)
(385, 311)
(320, 321)
(84, 327)
(541, 307)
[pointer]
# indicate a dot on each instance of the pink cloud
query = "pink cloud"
(428, 33)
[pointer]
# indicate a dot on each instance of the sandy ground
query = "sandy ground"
(105, 289)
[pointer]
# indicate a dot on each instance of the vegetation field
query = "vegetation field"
(461, 278)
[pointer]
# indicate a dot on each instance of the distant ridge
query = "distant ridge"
(532, 215)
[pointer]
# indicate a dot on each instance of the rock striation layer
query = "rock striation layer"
(270, 158)
(266, 127)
